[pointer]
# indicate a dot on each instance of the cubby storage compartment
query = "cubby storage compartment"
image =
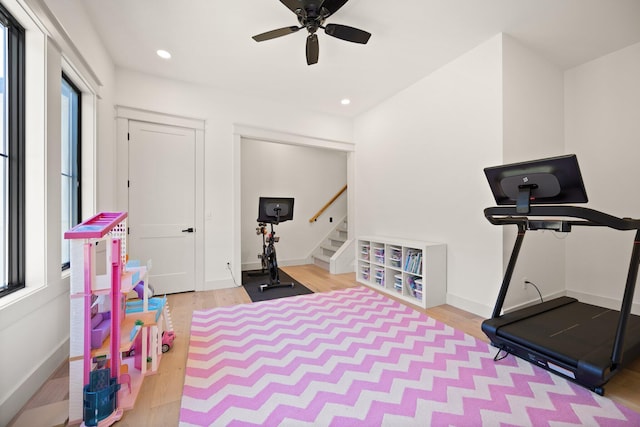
(379, 276)
(365, 271)
(378, 253)
(397, 282)
(395, 257)
(364, 249)
(412, 270)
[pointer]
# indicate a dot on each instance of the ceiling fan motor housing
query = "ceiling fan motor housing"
(311, 15)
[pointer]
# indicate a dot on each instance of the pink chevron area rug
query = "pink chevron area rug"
(358, 358)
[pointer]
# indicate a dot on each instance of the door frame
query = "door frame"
(123, 116)
(240, 132)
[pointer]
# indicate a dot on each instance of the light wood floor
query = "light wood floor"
(159, 400)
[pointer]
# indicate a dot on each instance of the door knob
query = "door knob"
(188, 230)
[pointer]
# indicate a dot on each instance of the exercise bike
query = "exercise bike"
(270, 263)
(272, 211)
(261, 230)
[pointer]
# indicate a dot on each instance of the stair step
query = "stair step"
(328, 246)
(322, 257)
(340, 239)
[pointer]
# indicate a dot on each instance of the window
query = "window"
(70, 147)
(12, 154)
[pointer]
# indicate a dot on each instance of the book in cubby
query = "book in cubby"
(414, 271)
(413, 261)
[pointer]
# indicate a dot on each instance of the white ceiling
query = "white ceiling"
(211, 44)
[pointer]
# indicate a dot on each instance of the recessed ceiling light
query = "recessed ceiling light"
(345, 101)
(163, 54)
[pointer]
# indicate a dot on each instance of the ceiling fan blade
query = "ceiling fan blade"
(275, 33)
(332, 6)
(292, 5)
(347, 33)
(313, 50)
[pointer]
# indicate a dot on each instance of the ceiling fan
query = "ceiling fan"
(311, 15)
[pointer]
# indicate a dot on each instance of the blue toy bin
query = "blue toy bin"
(100, 397)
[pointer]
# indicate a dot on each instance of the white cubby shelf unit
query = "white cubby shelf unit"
(414, 271)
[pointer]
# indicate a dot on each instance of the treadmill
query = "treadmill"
(584, 343)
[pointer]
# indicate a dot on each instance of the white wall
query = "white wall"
(602, 110)
(419, 170)
(222, 111)
(34, 322)
(540, 111)
(533, 128)
(311, 175)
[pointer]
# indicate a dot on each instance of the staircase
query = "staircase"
(336, 253)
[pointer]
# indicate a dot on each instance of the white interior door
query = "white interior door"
(162, 203)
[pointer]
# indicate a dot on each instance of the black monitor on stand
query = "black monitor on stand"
(555, 180)
(273, 211)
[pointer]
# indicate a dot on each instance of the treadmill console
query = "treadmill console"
(546, 224)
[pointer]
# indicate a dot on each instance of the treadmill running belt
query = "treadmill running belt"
(569, 333)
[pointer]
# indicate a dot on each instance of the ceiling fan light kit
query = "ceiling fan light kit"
(311, 15)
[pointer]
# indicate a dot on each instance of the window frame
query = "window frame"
(15, 134)
(77, 166)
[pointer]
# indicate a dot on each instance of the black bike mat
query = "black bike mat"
(251, 281)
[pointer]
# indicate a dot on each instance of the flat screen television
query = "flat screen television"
(554, 180)
(274, 210)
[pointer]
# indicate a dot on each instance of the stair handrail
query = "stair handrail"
(329, 203)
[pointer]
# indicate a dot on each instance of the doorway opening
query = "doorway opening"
(285, 144)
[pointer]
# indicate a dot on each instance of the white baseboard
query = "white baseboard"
(486, 311)
(533, 301)
(213, 285)
(281, 263)
(470, 306)
(611, 303)
(236, 281)
(40, 374)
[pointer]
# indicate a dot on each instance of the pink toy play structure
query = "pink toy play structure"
(101, 331)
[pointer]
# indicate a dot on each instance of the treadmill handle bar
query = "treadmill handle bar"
(497, 309)
(501, 215)
(627, 301)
